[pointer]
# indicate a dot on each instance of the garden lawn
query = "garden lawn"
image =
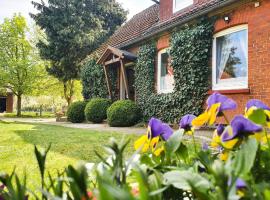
(69, 146)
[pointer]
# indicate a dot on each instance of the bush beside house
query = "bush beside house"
(96, 110)
(75, 113)
(123, 113)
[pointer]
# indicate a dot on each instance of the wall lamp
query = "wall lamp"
(227, 19)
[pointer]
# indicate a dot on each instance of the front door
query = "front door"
(3, 104)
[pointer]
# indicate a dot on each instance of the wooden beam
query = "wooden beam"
(124, 75)
(112, 61)
(108, 81)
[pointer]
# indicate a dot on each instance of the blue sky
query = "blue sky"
(9, 7)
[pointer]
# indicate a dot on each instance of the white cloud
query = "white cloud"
(135, 6)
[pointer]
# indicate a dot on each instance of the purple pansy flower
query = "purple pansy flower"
(256, 103)
(220, 129)
(185, 122)
(205, 146)
(158, 128)
(240, 127)
(240, 184)
(225, 102)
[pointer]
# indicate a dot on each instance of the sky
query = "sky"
(9, 7)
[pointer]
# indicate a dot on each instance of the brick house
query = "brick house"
(6, 102)
(242, 29)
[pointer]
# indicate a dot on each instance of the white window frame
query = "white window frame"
(180, 7)
(159, 73)
(233, 83)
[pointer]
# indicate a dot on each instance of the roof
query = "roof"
(134, 28)
(146, 24)
(120, 53)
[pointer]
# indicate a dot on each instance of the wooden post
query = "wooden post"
(124, 75)
(107, 81)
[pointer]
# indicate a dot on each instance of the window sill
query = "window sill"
(233, 91)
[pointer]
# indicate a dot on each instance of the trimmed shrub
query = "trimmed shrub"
(75, 113)
(123, 113)
(96, 110)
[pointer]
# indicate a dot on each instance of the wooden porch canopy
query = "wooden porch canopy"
(116, 56)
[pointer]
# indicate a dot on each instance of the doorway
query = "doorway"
(3, 104)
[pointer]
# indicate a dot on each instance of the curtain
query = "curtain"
(226, 45)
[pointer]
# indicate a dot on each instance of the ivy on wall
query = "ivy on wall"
(93, 80)
(190, 53)
(145, 77)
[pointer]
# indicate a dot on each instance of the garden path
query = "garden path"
(203, 135)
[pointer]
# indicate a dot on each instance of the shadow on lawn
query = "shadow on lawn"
(76, 143)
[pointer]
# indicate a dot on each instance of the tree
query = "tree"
(74, 29)
(20, 67)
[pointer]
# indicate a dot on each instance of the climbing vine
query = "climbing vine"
(94, 82)
(190, 53)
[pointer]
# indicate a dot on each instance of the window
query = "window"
(165, 72)
(230, 59)
(181, 4)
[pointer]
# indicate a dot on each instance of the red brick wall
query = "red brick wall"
(258, 20)
(163, 42)
(166, 9)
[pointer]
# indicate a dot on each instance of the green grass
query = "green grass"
(68, 147)
(31, 115)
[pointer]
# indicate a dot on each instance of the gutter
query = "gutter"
(177, 23)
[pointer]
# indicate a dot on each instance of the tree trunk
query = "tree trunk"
(69, 91)
(19, 105)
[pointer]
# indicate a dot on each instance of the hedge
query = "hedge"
(123, 113)
(96, 110)
(75, 113)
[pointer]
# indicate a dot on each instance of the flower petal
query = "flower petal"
(213, 112)
(220, 129)
(240, 184)
(167, 131)
(226, 103)
(241, 127)
(158, 151)
(185, 122)
(200, 120)
(143, 143)
(154, 143)
(156, 127)
(256, 103)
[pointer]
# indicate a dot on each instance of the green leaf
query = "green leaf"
(258, 116)
(245, 157)
(174, 142)
(182, 152)
(189, 181)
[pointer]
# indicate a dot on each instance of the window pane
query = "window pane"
(232, 53)
(166, 73)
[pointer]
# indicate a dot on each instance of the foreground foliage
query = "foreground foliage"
(235, 165)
